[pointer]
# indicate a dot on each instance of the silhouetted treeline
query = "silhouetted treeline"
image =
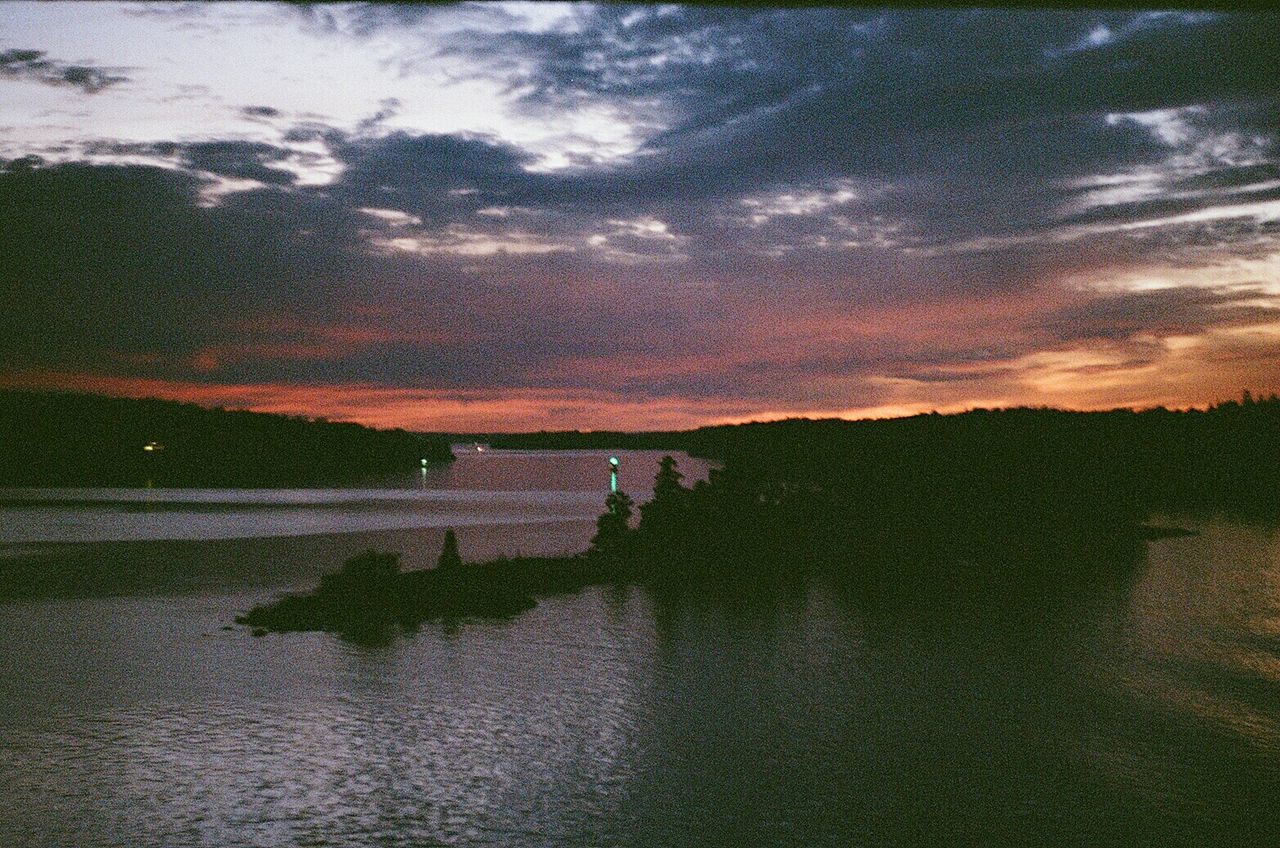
(755, 532)
(1226, 457)
(1004, 508)
(983, 502)
(71, 439)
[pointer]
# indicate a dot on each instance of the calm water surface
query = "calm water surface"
(96, 542)
(1146, 712)
(477, 489)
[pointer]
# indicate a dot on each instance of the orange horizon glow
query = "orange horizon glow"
(534, 409)
(491, 234)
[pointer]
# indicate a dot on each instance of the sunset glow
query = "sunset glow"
(508, 216)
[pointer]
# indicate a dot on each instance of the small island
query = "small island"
(1002, 507)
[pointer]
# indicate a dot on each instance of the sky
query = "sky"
(509, 216)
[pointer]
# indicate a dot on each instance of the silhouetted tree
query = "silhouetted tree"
(614, 525)
(663, 513)
(666, 484)
(449, 557)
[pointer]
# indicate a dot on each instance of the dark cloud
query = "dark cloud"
(418, 166)
(99, 258)
(930, 104)
(828, 184)
(1169, 311)
(268, 285)
(1230, 178)
(32, 65)
(106, 147)
(387, 109)
(312, 131)
(721, 65)
(359, 20)
(91, 259)
(238, 159)
(937, 99)
(247, 160)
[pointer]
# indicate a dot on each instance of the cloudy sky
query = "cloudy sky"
(507, 216)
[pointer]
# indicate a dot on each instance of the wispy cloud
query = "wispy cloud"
(690, 213)
(33, 66)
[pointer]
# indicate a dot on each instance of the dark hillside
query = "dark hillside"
(68, 439)
(1226, 457)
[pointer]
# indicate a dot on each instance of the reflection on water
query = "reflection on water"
(1142, 713)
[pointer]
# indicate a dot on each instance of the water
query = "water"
(95, 542)
(1133, 713)
(477, 489)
